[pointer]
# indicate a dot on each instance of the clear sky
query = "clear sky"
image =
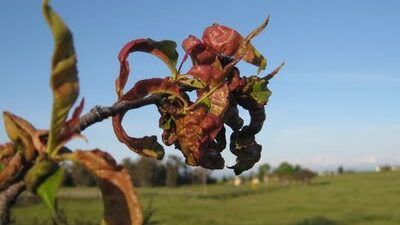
(335, 102)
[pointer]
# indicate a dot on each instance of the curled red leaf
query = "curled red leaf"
(148, 145)
(165, 50)
(198, 51)
(222, 39)
(228, 43)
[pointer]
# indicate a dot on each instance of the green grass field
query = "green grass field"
(350, 199)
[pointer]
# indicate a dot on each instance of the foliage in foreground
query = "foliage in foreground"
(196, 128)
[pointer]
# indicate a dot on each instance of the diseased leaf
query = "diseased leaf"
(222, 39)
(20, 131)
(246, 149)
(227, 42)
(168, 110)
(254, 57)
(219, 101)
(211, 76)
(68, 130)
(148, 145)
(47, 190)
(196, 132)
(165, 50)
(231, 117)
(120, 199)
(7, 152)
(260, 93)
(13, 168)
(64, 75)
(274, 72)
(198, 51)
(253, 90)
(190, 81)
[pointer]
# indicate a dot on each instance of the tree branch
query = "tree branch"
(99, 113)
(7, 200)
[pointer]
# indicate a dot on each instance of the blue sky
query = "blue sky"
(335, 102)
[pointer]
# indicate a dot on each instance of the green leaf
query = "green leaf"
(64, 74)
(47, 191)
(258, 60)
(168, 47)
(261, 97)
(167, 124)
(191, 81)
(207, 102)
(259, 91)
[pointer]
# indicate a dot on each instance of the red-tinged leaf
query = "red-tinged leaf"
(251, 55)
(196, 131)
(68, 130)
(198, 51)
(76, 114)
(7, 151)
(147, 87)
(165, 50)
(227, 42)
(120, 199)
(210, 75)
(20, 131)
(14, 166)
(274, 72)
(222, 39)
(148, 145)
(219, 101)
(64, 75)
(235, 82)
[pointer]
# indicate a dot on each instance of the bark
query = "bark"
(99, 113)
(7, 200)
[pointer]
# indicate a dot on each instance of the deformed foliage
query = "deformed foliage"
(195, 127)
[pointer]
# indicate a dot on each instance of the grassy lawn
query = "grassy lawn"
(351, 199)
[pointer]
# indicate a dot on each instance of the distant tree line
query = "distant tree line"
(146, 172)
(286, 172)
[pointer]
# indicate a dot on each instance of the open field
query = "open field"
(350, 199)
